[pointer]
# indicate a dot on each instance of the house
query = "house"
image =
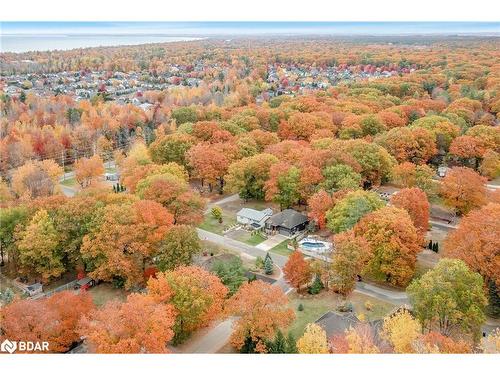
(287, 222)
(334, 323)
(253, 218)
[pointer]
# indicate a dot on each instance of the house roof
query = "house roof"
(336, 324)
(288, 219)
(254, 215)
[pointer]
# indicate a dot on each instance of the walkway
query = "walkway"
(230, 198)
(271, 242)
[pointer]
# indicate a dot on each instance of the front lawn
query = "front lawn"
(282, 249)
(246, 237)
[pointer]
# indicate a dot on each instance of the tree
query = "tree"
(216, 212)
(340, 176)
(88, 169)
(11, 218)
(283, 185)
(139, 325)
(182, 115)
(317, 285)
(268, 265)
(313, 341)
(39, 251)
(319, 204)
(123, 240)
(463, 189)
(281, 344)
(297, 271)
(350, 209)
(53, 319)
(443, 129)
(350, 257)
(476, 242)
(449, 297)
(375, 162)
(196, 294)
(435, 343)
(172, 148)
(231, 273)
(415, 145)
(401, 330)
(409, 175)
(248, 175)
(177, 248)
(394, 241)
(359, 339)
(415, 202)
(490, 167)
(36, 178)
(262, 310)
(209, 164)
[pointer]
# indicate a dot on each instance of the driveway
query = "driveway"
(211, 341)
(271, 242)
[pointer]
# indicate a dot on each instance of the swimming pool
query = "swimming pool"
(313, 244)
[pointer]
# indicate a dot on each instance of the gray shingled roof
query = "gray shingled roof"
(254, 215)
(288, 219)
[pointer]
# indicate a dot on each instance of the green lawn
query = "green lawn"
(103, 293)
(314, 308)
(110, 170)
(69, 182)
(282, 249)
(318, 305)
(212, 225)
(247, 237)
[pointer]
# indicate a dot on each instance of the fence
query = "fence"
(68, 286)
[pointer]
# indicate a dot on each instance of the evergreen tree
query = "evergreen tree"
(493, 308)
(249, 346)
(278, 345)
(268, 265)
(317, 285)
(22, 97)
(291, 344)
(430, 246)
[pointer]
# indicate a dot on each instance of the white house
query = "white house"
(253, 218)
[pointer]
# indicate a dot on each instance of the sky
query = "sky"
(241, 28)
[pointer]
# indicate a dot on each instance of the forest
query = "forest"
(317, 125)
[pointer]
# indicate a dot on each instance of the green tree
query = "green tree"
(316, 286)
(288, 188)
(178, 247)
(39, 250)
(231, 273)
(10, 219)
(184, 114)
(449, 297)
(349, 210)
(216, 212)
(339, 177)
(268, 265)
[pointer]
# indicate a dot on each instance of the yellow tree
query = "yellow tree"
(313, 341)
(401, 330)
(38, 246)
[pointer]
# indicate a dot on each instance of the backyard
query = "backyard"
(105, 292)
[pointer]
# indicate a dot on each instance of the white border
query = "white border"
(250, 10)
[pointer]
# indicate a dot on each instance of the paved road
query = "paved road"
(213, 340)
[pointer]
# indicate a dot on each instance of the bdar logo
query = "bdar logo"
(8, 346)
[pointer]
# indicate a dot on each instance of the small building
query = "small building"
(253, 218)
(287, 222)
